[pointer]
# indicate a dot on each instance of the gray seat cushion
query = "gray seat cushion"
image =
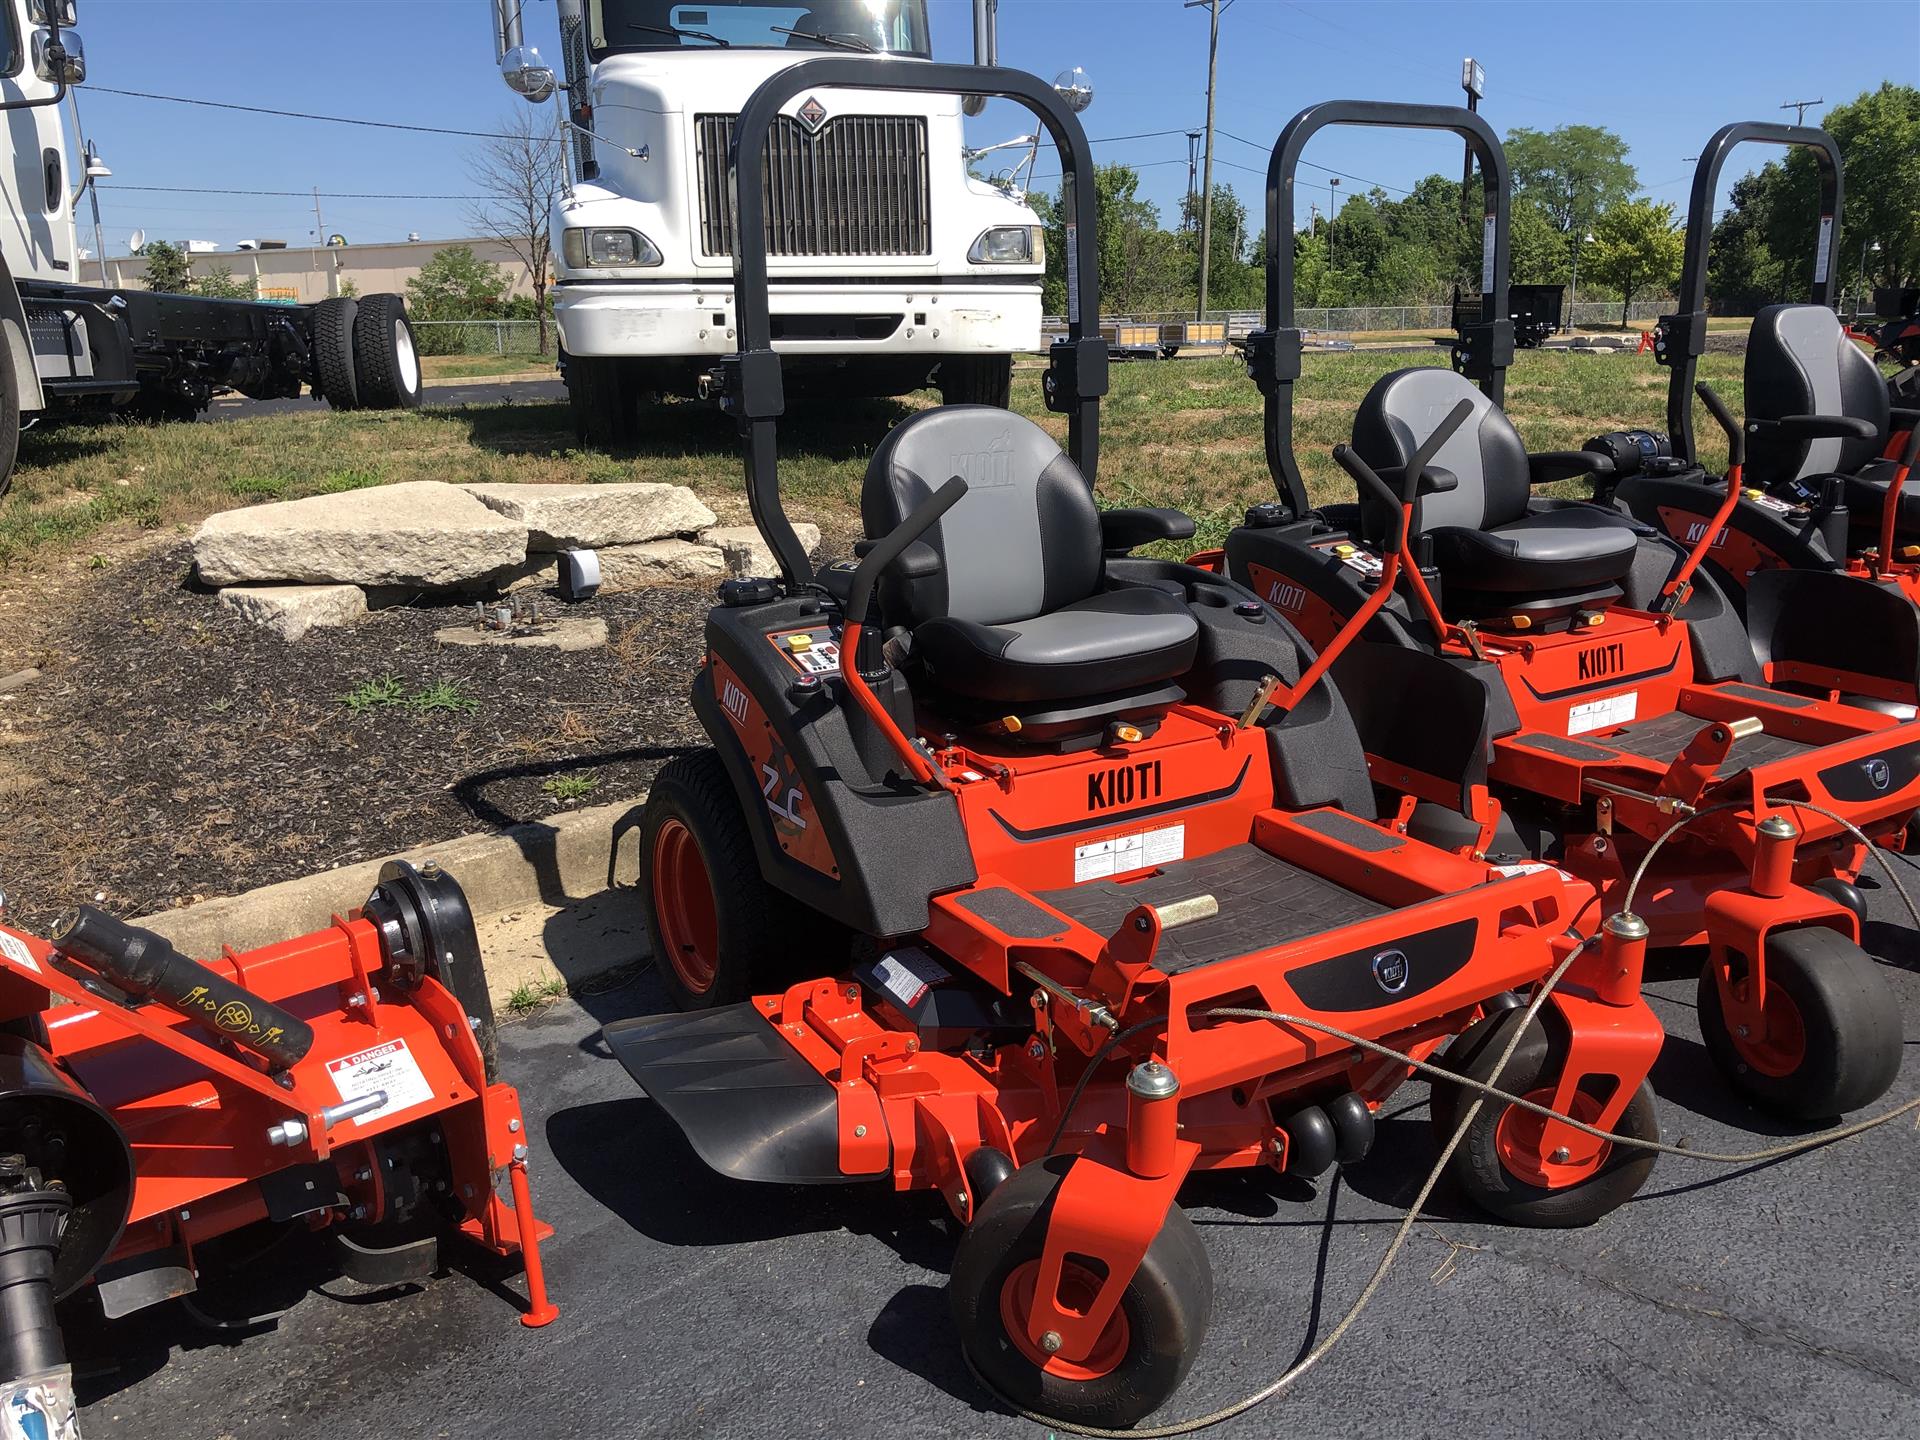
(1017, 607)
(1574, 548)
(1105, 644)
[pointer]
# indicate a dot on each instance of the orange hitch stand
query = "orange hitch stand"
(343, 1082)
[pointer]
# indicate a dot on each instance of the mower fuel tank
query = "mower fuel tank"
(947, 1011)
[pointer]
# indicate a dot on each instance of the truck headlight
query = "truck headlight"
(608, 249)
(1009, 245)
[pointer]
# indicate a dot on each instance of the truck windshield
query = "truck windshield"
(892, 27)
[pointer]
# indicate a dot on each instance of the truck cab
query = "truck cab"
(893, 265)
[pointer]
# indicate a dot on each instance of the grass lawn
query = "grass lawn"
(1185, 433)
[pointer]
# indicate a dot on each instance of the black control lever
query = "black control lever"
(890, 548)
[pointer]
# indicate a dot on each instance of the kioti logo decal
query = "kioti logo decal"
(735, 701)
(1601, 661)
(988, 469)
(1123, 784)
(1287, 596)
(1390, 971)
(1699, 528)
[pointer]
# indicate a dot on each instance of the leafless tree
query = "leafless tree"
(521, 174)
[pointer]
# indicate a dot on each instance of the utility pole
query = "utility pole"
(320, 245)
(1800, 107)
(1206, 198)
(1333, 210)
(1193, 177)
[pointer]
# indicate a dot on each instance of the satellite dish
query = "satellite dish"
(136, 242)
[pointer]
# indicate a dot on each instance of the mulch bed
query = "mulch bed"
(175, 752)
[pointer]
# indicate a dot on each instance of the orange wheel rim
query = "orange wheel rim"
(1520, 1141)
(1780, 1049)
(684, 909)
(1078, 1288)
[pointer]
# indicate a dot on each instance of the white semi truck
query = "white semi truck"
(73, 350)
(894, 265)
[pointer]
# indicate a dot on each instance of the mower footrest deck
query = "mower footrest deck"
(746, 1100)
(1263, 901)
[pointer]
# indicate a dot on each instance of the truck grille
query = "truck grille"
(857, 187)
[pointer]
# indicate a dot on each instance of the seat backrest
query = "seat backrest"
(1024, 540)
(1800, 362)
(1484, 454)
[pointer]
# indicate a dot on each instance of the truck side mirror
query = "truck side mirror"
(1075, 87)
(41, 12)
(527, 75)
(59, 62)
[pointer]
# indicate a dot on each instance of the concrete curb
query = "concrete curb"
(566, 857)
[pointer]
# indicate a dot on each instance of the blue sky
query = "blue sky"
(1664, 75)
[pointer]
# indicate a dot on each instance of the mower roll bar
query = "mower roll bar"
(1681, 339)
(1273, 354)
(751, 385)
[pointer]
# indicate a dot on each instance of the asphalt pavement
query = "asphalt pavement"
(1781, 1300)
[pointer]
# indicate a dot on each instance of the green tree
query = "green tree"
(1142, 267)
(1541, 254)
(1234, 281)
(167, 269)
(1637, 246)
(220, 283)
(456, 284)
(1879, 134)
(1572, 174)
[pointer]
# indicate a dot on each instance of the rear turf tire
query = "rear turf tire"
(1834, 1038)
(1483, 1165)
(717, 928)
(335, 371)
(1147, 1348)
(386, 357)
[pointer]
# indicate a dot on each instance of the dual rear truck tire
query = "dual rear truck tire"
(364, 354)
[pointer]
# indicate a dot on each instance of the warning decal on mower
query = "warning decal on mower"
(1126, 853)
(907, 975)
(15, 950)
(390, 1067)
(1603, 714)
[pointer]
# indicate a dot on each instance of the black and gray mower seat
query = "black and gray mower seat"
(1490, 544)
(1007, 598)
(1800, 362)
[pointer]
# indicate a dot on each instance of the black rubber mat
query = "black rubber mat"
(1263, 901)
(1665, 736)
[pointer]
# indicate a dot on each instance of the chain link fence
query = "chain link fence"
(480, 337)
(1360, 319)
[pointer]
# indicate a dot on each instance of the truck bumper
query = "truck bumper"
(690, 320)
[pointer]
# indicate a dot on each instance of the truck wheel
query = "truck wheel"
(385, 358)
(9, 424)
(334, 373)
(605, 400)
(977, 380)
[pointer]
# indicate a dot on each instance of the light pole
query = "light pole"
(1572, 322)
(1206, 199)
(1862, 302)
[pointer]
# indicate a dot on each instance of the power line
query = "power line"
(1328, 169)
(285, 194)
(326, 119)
